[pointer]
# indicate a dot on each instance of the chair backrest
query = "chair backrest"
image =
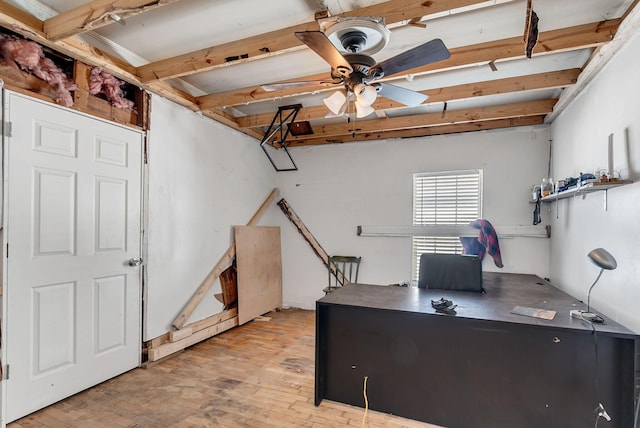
(343, 270)
(451, 272)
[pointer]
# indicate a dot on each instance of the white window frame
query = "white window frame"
(445, 185)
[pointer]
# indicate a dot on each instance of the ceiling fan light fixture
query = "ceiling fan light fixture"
(335, 101)
(365, 94)
(363, 110)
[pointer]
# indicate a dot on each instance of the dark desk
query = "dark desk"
(483, 367)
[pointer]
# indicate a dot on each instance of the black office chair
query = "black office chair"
(450, 272)
(342, 271)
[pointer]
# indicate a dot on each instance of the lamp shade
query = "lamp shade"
(603, 259)
(365, 94)
(363, 110)
(335, 102)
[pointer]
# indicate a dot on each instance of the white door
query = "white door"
(73, 223)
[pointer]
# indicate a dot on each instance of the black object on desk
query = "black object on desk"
(451, 272)
(484, 367)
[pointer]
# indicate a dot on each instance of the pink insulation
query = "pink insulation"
(101, 82)
(28, 56)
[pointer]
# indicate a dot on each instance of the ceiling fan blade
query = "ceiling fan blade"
(320, 44)
(402, 95)
(269, 87)
(427, 53)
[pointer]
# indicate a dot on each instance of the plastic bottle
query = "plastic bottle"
(547, 186)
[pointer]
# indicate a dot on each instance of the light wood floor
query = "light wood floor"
(257, 375)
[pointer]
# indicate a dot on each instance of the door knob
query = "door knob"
(135, 262)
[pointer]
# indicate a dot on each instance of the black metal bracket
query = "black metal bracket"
(280, 119)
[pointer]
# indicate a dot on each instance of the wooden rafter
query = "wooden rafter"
(515, 110)
(96, 14)
(424, 132)
(31, 28)
(58, 34)
(578, 37)
(283, 40)
(556, 79)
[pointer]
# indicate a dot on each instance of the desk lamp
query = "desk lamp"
(604, 260)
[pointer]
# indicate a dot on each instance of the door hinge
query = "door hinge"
(7, 255)
(6, 129)
(5, 372)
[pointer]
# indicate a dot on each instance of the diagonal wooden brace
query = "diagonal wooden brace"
(311, 240)
(224, 261)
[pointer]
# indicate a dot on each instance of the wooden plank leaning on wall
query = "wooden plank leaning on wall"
(190, 334)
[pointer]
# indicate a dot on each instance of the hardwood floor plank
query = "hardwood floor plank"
(259, 375)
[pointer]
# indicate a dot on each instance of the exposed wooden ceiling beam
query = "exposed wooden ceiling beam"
(549, 80)
(531, 108)
(424, 132)
(518, 114)
(283, 40)
(581, 36)
(31, 28)
(252, 48)
(11, 14)
(563, 39)
(96, 14)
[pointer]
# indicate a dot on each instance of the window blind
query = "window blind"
(444, 198)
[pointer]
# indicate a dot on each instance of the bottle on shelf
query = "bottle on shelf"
(547, 186)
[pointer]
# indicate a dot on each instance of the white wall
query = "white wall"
(204, 178)
(610, 104)
(339, 187)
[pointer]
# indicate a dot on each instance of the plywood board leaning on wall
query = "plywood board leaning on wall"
(224, 261)
(186, 335)
(259, 265)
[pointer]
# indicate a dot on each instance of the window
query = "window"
(444, 198)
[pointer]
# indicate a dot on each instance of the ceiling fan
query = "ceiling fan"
(357, 71)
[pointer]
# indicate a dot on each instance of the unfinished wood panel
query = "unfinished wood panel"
(174, 336)
(225, 260)
(16, 79)
(190, 334)
(96, 106)
(229, 286)
(28, 84)
(94, 15)
(259, 270)
(162, 351)
(212, 320)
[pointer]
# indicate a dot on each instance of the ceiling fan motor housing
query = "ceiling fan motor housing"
(353, 41)
(362, 69)
(364, 34)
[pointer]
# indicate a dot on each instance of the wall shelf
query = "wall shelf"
(584, 190)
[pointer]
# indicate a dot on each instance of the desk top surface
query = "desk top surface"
(503, 293)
